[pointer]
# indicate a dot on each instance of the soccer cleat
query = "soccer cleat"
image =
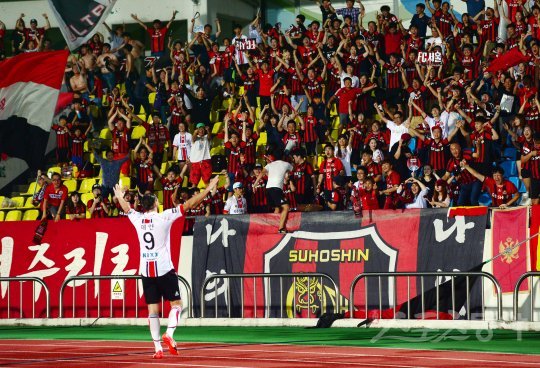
(171, 344)
(158, 354)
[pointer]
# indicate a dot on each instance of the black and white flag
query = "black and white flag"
(79, 19)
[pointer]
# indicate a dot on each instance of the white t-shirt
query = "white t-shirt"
(241, 56)
(154, 233)
(345, 158)
(354, 79)
(183, 142)
(200, 150)
(396, 131)
(419, 201)
(276, 173)
(236, 206)
(442, 121)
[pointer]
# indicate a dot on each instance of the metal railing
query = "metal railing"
(21, 280)
(266, 278)
(115, 277)
(532, 294)
(392, 290)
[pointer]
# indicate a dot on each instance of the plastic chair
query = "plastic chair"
(2, 216)
(510, 153)
(14, 215)
(32, 187)
(86, 197)
(18, 202)
(152, 98)
(484, 199)
(138, 132)
(509, 167)
(105, 133)
(54, 169)
(125, 181)
(86, 185)
(29, 203)
(30, 215)
(263, 139)
(71, 185)
(217, 128)
(159, 195)
(518, 183)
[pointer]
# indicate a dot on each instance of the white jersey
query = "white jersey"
(154, 233)
(236, 206)
(183, 143)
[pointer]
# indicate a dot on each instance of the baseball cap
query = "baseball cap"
(237, 185)
(257, 166)
(200, 125)
(96, 186)
(33, 21)
(405, 137)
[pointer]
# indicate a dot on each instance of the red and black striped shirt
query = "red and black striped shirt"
(436, 153)
(120, 143)
(479, 142)
(310, 122)
(145, 172)
(77, 145)
(313, 86)
(393, 76)
(463, 175)
(216, 201)
(257, 194)
(233, 155)
(62, 135)
(168, 190)
(290, 197)
(303, 178)
(157, 37)
(251, 148)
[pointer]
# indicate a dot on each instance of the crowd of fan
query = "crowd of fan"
(365, 122)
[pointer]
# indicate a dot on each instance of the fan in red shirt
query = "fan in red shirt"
(364, 197)
(503, 192)
(257, 194)
(54, 198)
(120, 137)
(330, 167)
(98, 207)
(170, 183)
(304, 177)
(62, 139)
(392, 180)
(157, 34)
(346, 95)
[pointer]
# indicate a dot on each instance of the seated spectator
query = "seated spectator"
(419, 193)
(440, 198)
(503, 192)
(54, 199)
(236, 204)
(99, 206)
(75, 209)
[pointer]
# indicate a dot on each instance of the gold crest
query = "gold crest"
(509, 254)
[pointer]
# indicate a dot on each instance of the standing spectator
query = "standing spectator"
(330, 167)
(304, 177)
(77, 145)
(120, 126)
(397, 127)
(144, 166)
(99, 206)
(110, 168)
(201, 164)
(107, 63)
(170, 184)
(277, 170)
(54, 198)
(392, 180)
(351, 11)
(236, 204)
(420, 20)
(182, 144)
(62, 140)
(157, 34)
(34, 33)
(469, 187)
(503, 192)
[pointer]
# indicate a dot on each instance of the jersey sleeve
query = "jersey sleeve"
(174, 213)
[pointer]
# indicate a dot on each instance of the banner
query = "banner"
(79, 19)
(75, 248)
(534, 243)
(336, 244)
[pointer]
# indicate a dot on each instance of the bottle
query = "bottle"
(40, 231)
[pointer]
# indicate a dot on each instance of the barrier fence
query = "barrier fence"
(532, 294)
(21, 280)
(393, 298)
(266, 277)
(470, 278)
(182, 280)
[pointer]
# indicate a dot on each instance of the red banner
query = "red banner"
(74, 248)
(509, 227)
(534, 243)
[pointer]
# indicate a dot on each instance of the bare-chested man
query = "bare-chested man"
(79, 82)
(107, 63)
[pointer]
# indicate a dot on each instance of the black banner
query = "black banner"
(335, 244)
(79, 19)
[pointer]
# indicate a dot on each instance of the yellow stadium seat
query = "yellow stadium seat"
(32, 188)
(201, 184)
(2, 215)
(88, 214)
(263, 139)
(28, 203)
(86, 147)
(105, 133)
(2, 201)
(185, 182)
(54, 169)
(164, 167)
(142, 111)
(30, 215)
(219, 150)
(217, 128)
(138, 132)
(86, 185)
(125, 181)
(71, 185)
(334, 111)
(14, 215)
(214, 116)
(159, 195)
(18, 202)
(86, 197)
(160, 208)
(152, 98)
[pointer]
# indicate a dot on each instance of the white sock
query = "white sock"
(153, 323)
(174, 314)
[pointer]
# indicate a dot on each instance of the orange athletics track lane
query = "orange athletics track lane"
(124, 354)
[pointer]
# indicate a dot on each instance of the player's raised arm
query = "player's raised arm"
(198, 198)
(119, 194)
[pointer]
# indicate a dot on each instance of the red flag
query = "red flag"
(507, 60)
(467, 211)
(534, 243)
(509, 227)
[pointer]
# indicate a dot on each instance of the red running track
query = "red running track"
(125, 354)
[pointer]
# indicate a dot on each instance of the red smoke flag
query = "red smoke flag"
(29, 88)
(509, 227)
(507, 60)
(534, 243)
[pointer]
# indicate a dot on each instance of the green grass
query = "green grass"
(502, 341)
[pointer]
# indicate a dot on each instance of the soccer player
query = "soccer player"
(159, 278)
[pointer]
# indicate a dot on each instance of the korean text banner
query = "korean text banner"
(75, 248)
(336, 244)
(79, 19)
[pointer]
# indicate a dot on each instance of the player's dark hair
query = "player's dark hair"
(148, 201)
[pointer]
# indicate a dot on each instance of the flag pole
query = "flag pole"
(510, 249)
